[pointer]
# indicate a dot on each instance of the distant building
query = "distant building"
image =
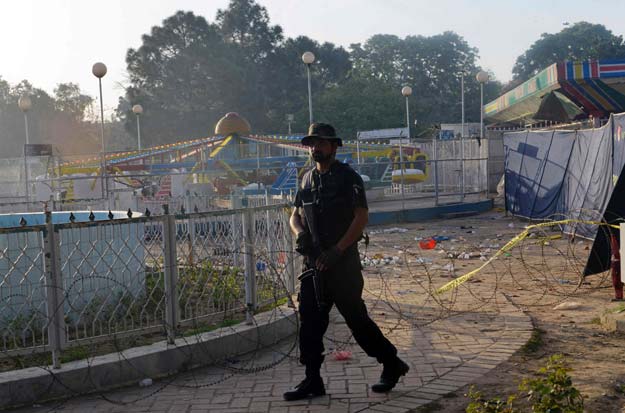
(454, 130)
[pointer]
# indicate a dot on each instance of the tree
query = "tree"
(246, 24)
(58, 120)
(182, 76)
(432, 66)
(70, 101)
(40, 116)
(380, 58)
(287, 82)
(12, 134)
(360, 103)
(188, 73)
(580, 41)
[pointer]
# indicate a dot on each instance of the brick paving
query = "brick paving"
(444, 355)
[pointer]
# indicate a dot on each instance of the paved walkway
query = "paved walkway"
(444, 356)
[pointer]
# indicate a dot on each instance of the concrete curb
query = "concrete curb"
(38, 384)
(613, 321)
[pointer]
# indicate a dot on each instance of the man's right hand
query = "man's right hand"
(304, 243)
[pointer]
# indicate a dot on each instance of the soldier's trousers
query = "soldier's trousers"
(342, 286)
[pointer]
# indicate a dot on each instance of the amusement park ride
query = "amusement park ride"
(231, 160)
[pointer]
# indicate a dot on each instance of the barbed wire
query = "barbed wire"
(546, 268)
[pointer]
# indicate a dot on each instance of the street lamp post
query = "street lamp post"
(462, 136)
(309, 58)
(289, 118)
(25, 104)
(483, 77)
(406, 91)
(258, 166)
(138, 110)
(99, 70)
(462, 102)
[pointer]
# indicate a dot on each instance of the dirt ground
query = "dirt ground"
(541, 275)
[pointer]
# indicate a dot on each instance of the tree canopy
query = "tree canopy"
(246, 24)
(432, 66)
(579, 41)
(57, 119)
(181, 78)
(189, 72)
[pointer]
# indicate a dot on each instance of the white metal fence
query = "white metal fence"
(63, 285)
(451, 168)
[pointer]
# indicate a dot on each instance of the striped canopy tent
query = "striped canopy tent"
(564, 91)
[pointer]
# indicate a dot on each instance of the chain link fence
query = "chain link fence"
(431, 169)
(23, 313)
(67, 284)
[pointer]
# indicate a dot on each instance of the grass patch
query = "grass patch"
(205, 329)
(81, 352)
(273, 305)
(74, 353)
(15, 362)
(550, 390)
(221, 285)
(617, 309)
(232, 321)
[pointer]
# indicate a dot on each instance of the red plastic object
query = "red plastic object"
(342, 355)
(427, 244)
(616, 268)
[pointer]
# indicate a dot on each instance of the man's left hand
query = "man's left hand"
(328, 258)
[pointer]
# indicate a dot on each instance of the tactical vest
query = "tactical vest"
(332, 195)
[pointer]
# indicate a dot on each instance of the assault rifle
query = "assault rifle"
(313, 254)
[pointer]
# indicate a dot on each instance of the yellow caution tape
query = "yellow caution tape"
(545, 240)
(511, 244)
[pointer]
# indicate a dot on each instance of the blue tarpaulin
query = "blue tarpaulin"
(572, 174)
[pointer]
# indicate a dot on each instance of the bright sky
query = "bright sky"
(54, 41)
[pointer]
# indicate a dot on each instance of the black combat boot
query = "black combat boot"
(309, 387)
(392, 371)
